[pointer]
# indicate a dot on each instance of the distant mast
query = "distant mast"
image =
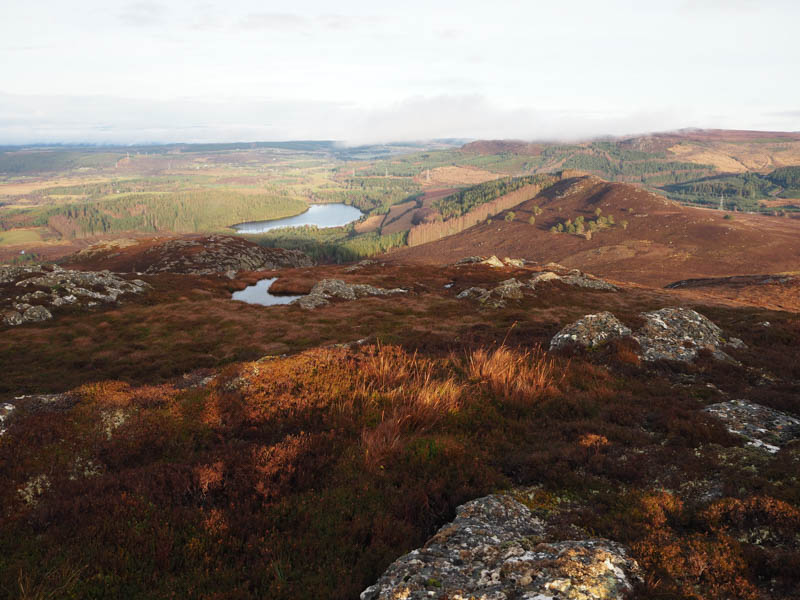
(722, 200)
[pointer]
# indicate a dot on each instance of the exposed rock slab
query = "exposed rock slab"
(590, 331)
(324, 290)
(31, 294)
(193, 255)
(491, 551)
(573, 277)
(5, 413)
(220, 254)
(763, 427)
(492, 261)
(510, 289)
(668, 334)
(678, 334)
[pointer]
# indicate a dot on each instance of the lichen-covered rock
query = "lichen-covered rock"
(469, 260)
(514, 262)
(31, 294)
(542, 277)
(34, 314)
(510, 289)
(590, 331)
(5, 412)
(11, 318)
(763, 427)
(573, 277)
(472, 292)
(326, 289)
(367, 262)
(493, 261)
(33, 489)
(112, 419)
(668, 334)
(492, 551)
(678, 334)
(193, 255)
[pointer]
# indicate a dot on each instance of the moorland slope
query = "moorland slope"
(651, 241)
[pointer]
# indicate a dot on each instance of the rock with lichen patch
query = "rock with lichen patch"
(763, 427)
(31, 294)
(668, 334)
(492, 550)
(5, 414)
(326, 289)
(472, 292)
(575, 278)
(510, 289)
(33, 489)
(679, 334)
(590, 331)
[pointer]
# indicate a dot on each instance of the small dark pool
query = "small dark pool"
(259, 294)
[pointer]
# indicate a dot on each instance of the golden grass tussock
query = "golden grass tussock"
(413, 394)
(512, 374)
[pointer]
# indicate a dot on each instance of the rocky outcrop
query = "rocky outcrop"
(219, 254)
(324, 290)
(763, 427)
(192, 255)
(590, 331)
(668, 334)
(733, 280)
(510, 289)
(573, 277)
(5, 414)
(31, 294)
(367, 262)
(492, 261)
(492, 550)
(678, 334)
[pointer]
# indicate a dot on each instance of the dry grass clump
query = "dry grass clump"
(412, 393)
(514, 375)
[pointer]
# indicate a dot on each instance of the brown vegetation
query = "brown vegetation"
(662, 242)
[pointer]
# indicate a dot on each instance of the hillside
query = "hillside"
(661, 241)
(173, 442)
(625, 421)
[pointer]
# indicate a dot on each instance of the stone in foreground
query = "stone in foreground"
(668, 334)
(590, 331)
(490, 552)
(678, 334)
(762, 427)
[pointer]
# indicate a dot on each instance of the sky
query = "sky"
(105, 71)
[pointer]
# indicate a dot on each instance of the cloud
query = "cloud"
(339, 21)
(785, 114)
(273, 20)
(142, 14)
(45, 119)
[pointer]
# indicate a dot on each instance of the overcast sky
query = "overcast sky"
(366, 71)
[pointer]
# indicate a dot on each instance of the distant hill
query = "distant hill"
(637, 236)
(503, 146)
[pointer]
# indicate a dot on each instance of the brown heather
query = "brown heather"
(306, 475)
(313, 472)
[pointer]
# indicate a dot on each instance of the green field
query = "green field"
(14, 237)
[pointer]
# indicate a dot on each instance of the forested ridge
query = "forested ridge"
(180, 212)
